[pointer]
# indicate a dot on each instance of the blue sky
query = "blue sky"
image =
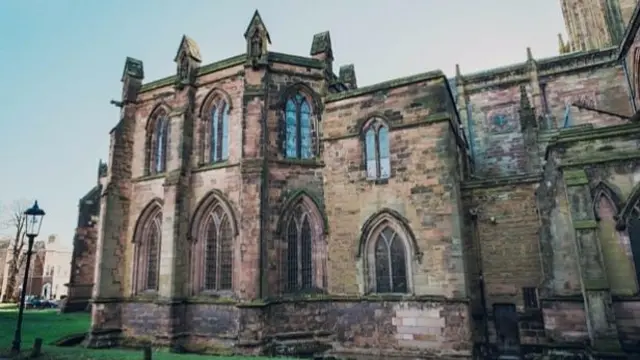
(62, 60)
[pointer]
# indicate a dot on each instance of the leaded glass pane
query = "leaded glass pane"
(370, 150)
(225, 133)
(306, 145)
(291, 130)
(383, 143)
(213, 151)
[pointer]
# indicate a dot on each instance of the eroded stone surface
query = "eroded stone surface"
(498, 202)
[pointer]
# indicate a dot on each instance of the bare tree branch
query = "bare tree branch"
(14, 221)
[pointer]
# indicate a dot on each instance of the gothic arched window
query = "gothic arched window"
(304, 259)
(157, 143)
(390, 262)
(212, 253)
(387, 254)
(298, 142)
(376, 149)
(617, 245)
(218, 131)
(147, 248)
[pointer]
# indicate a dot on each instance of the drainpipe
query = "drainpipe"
(632, 95)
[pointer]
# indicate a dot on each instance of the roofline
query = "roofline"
(629, 33)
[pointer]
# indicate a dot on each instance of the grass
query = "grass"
(51, 326)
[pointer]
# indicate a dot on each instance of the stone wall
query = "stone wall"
(488, 103)
(627, 313)
(419, 327)
(83, 258)
(506, 228)
(515, 232)
(290, 180)
(422, 188)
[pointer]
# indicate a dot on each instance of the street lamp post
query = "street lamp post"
(32, 222)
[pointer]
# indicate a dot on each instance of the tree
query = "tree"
(14, 223)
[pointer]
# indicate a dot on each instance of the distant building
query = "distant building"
(36, 272)
(57, 267)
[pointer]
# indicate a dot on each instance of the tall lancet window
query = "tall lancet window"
(212, 231)
(157, 142)
(219, 132)
(147, 239)
(298, 128)
(378, 157)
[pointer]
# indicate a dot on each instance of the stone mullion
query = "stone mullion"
(601, 324)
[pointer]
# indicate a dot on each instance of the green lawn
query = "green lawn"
(51, 326)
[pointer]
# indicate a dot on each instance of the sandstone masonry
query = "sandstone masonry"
(267, 204)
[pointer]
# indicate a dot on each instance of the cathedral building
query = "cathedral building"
(266, 203)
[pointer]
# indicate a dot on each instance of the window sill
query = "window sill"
(145, 296)
(149, 177)
(208, 298)
(216, 165)
(303, 162)
(378, 181)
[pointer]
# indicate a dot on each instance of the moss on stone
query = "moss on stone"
(585, 224)
(595, 284)
(404, 81)
(575, 177)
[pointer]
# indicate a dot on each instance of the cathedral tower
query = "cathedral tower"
(596, 24)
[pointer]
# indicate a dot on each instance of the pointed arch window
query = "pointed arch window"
(212, 251)
(147, 250)
(305, 255)
(298, 142)
(387, 254)
(158, 143)
(217, 144)
(620, 246)
(376, 150)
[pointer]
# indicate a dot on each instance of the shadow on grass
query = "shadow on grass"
(53, 327)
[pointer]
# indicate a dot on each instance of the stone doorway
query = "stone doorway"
(507, 331)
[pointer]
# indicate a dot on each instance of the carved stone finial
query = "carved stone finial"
(529, 54)
(321, 44)
(347, 76)
(102, 169)
(187, 60)
(562, 46)
(132, 76)
(458, 72)
(133, 68)
(322, 50)
(258, 40)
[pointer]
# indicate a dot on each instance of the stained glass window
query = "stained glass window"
(298, 142)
